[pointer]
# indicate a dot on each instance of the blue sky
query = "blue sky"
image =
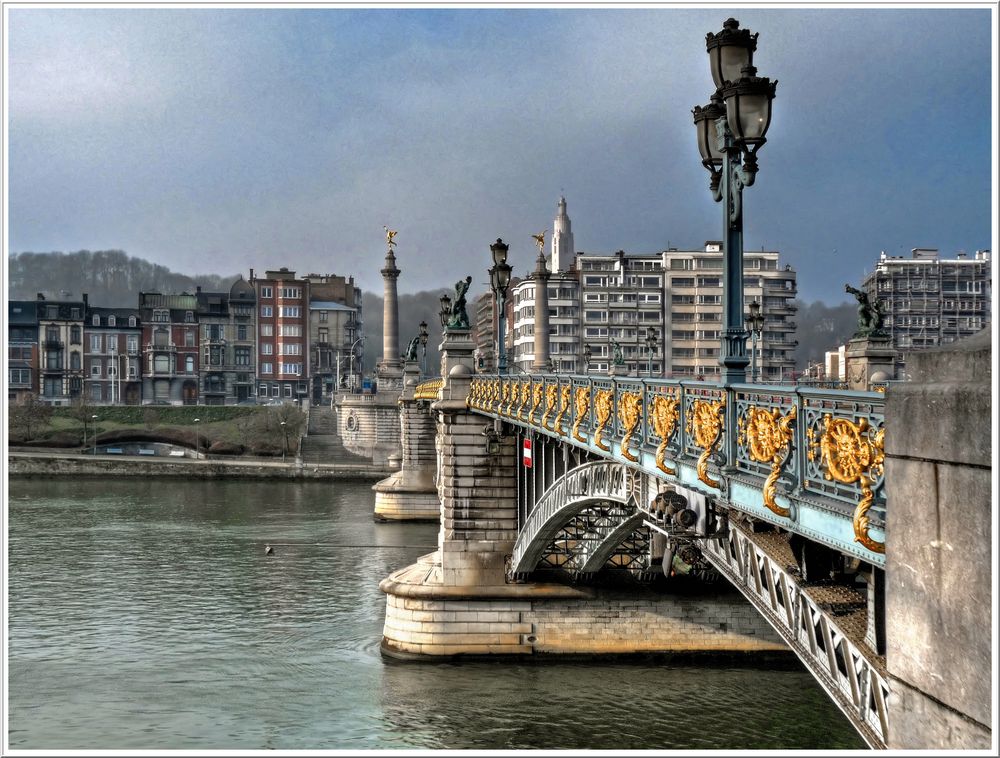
(212, 141)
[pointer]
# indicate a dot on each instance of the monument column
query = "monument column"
(390, 370)
(541, 276)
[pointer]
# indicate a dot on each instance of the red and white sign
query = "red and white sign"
(526, 454)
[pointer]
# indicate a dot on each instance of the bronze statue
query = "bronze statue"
(389, 234)
(411, 350)
(870, 314)
(459, 318)
(619, 358)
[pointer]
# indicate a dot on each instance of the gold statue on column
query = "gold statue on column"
(389, 234)
(539, 240)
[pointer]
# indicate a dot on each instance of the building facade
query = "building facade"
(282, 335)
(22, 350)
(170, 349)
(60, 330)
(112, 358)
(336, 351)
(227, 326)
(928, 300)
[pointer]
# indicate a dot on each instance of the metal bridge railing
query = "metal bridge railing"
(800, 444)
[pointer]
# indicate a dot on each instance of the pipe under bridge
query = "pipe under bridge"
(618, 462)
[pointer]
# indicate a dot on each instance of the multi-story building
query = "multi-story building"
(170, 348)
(336, 351)
(694, 311)
(60, 329)
(601, 300)
(282, 335)
(226, 321)
(22, 350)
(484, 332)
(928, 300)
(112, 360)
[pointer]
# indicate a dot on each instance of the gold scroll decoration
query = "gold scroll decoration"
(853, 452)
(582, 403)
(602, 409)
(525, 396)
(768, 437)
(705, 425)
(504, 389)
(551, 393)
(665, 416)
(536, 400)
(629, 413)
(564, 394)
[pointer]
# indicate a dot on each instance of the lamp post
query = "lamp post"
(445, 311)
(423, 344)
(284, 450)
(197, 437)
(354, 344)
(754, 323)
(652, 336)
(731, 129)
(93, 421)
(587, 354)
(499, 282)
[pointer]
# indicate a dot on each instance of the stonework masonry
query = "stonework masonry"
(939, 552)
(368, 425)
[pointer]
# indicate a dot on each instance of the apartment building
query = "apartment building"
(22, 350)
(282, 335)
(60, 329)
(227, 326)
(170, 349)
(336, 351)
(112, 358)
(928, 300)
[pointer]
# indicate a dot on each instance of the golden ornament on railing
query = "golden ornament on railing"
(504, 397)
(705, 425)
(629, 413)
(564, 395)
(536, 400)
(853, 453)
(525, 396)
(582, 403)
(551, 393)
(665, 416)
(603, 402)
(768, 437)
(427, 390)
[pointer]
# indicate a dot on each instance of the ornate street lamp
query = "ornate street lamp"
(284, 432)
(93, 419)
(499, 282)
(445, 312)
(587, 355)
(197, 437)
(652, 337)
(740, 113)
(754, 323)
(423, 343)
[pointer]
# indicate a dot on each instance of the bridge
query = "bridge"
(547, 480)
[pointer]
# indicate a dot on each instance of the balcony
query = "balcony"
(54, 344)
(159, 348)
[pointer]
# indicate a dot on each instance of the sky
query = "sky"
(216, 140)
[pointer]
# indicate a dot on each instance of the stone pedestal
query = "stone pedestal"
(868, 359)
(389, 372)
(938, 466)
(411, 493)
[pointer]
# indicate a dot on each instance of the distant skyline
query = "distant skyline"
(216, 140)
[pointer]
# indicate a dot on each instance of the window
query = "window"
(324, 335)
(266, 311)
(290, 292)
(266, 348)
(290, 311)
(323, 317)
(111, 320)
(111, 369)
(294, 349)
(267, 368)
(215, 332)
(75, 337)
(74, 313)
(241, 356)
(708, 281)
(215, 355)
(161, 316)
(20, 376)
(133, 371)
(74, 362)
(189, 364)
(95, 368)
(189, 338)
(288, 390)
(709, 299)
(266, 292)
(291, 330)
(241, 332)
(595, 316)
(267, 330)
(52, 387)
(188, 317)
(96, 320)
(262, 390)
(649, 281)
(274, 390)
(161, 364)
(95, 343)
(131, 321)
(132, 344)
(290, 368)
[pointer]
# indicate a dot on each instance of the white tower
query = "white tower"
(562, 240)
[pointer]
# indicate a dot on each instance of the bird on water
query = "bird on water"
(268, 550)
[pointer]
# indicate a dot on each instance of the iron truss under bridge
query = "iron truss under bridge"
(804, 459)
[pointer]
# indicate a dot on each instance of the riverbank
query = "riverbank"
(22, 463)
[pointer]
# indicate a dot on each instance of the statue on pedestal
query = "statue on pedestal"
(619, 359)
(870, 314)
(459, 318)
(411, 350)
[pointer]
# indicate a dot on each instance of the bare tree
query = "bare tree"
(29, 417)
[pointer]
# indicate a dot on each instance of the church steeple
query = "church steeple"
(563, 250)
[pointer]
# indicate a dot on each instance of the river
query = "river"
(145, 614)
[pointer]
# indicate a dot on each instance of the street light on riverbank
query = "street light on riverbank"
(197, 436)
(93, 420)
(284, 450)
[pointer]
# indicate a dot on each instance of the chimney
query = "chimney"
(197, 289)
(85, 302)
(252, 280)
